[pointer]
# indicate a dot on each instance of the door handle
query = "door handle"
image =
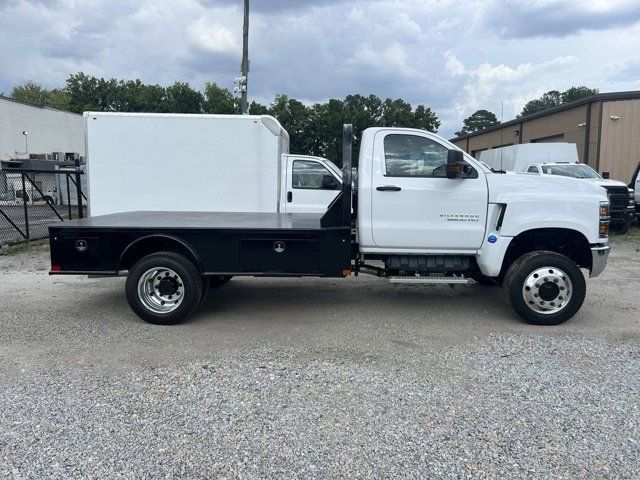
(388, 188)
(289, 197)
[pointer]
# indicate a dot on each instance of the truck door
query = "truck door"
(414, 205)
(311, 186)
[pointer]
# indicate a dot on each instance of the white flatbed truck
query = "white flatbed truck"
(423, 212)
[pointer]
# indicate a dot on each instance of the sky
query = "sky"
(453, 56)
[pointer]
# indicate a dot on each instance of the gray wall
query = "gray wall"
(49, 130)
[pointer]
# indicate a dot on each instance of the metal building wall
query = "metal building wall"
(49, 130)
(620, 139)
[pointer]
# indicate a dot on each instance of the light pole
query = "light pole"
(242, 80)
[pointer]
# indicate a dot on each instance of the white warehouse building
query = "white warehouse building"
(31, 132)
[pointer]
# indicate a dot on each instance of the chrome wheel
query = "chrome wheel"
(161, 290)
(547, 290)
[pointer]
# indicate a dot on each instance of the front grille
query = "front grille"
(618, 197)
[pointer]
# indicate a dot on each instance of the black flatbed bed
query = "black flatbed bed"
(171, 258)
(161, 220)
(219, 243)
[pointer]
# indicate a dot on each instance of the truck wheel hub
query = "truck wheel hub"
(547, 290)
(160, 290)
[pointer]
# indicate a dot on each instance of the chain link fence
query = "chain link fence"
(31, 200)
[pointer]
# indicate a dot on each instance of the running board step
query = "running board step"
(431, 279)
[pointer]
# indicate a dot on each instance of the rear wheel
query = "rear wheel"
(164, 288)
(544, 288)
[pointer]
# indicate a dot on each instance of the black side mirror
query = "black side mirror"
(455, 162)
(605, 175)
(329, 183)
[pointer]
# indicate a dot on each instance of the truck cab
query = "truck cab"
(311, 184)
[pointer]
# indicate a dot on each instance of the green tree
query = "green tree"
(551, 99)
(181, 98)
(91, 93)
(219, 100)
(32, 92)
(396, 113)
(324, 138)
(479, 120)
(135, 96)
(576, 93)
(554, 98)
(426, 119)
(293, 116)
(256, 108)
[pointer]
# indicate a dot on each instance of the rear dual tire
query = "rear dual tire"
(164, 288)
(544, 288)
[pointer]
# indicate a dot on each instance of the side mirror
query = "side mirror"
(605, 175)
(455, 162)
(329, 183)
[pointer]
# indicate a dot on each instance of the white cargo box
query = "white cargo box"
(178, 162)
(517, 158)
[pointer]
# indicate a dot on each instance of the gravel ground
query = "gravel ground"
(317, 379)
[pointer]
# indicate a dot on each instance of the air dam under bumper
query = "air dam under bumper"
(599, 256)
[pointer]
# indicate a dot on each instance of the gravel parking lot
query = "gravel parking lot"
(317, 379)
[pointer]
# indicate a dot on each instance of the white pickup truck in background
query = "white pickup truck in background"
(562, 159)
(219, 163)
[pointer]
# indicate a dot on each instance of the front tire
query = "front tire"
(164, 288)
(544, 288)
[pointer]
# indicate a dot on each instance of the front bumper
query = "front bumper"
(622, 216)
(599, 257)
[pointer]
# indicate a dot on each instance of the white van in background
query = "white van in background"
(562, 159)
(207, 163)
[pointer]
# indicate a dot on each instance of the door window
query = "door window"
(533, 169)
(414, 156)
(309, 175)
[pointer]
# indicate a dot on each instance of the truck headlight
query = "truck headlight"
(603, 228)
(631, 197)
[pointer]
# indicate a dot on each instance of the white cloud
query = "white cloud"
(453, 65)
(455, 57)
(211, 35)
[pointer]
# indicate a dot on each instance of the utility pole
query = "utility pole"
(242, 81)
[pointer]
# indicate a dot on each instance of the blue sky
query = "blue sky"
(454, 56)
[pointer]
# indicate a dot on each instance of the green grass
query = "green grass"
(32, 247)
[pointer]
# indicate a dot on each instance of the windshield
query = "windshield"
(574, 170)
(332, 166)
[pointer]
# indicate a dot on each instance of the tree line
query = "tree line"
(483, 119)
(314, 129)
